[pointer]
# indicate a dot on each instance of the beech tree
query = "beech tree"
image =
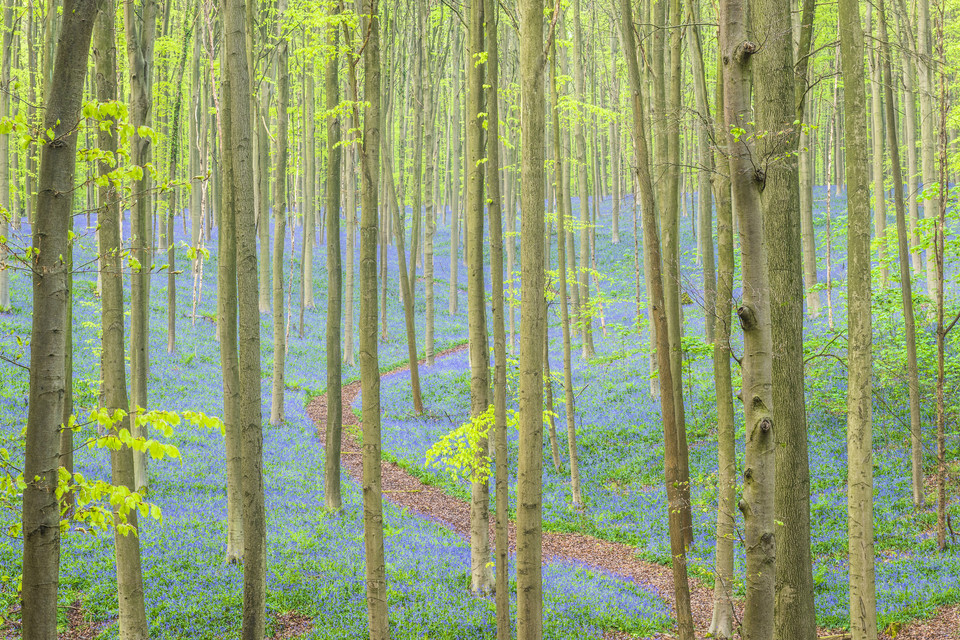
(55, 184)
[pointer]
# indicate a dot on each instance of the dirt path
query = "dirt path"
(616, 558)
(404, 490)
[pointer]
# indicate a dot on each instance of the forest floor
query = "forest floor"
(616, 559)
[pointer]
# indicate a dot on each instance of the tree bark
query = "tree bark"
(722, 622)
(141, 30)
(280, 198)
(378, 625)
(746, 179)
(776, 108)
(248, 329)
(58, 159)
(532, 324)
(331, 492)
(667, 403)
(863, 601)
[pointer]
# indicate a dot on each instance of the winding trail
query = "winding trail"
(615, 558)
(404, 490)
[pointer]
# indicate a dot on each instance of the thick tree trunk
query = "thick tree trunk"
(757, 504)
(41, 513)
(775, 80)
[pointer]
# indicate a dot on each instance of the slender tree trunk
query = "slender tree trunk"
(454, 195)
(310, 209)
(532, 324)
(667, 404)
(704, 173)
(331, 492)
(903, 255)
(248, 328)
(281, 154)
(863, 600)
(564, 313)
(5, 169)
(350, 197)
(140, 25)
(41, 513)
(931, 200)
(721, 624)
(942, 331)
(378, 625)
(481, 577)
(132, 613)
(502, 578)
(583, 275)
(757, 504)
(876, 111)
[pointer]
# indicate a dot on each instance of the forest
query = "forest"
(480, 319)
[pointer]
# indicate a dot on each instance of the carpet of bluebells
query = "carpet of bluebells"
(620, 435)
(315, 561)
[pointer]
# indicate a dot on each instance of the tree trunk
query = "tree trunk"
(378, 625)
(532, 324)
(281, 154)
(350, 198)
(863, 600)
(704, 173)
(248, 328)
(876, 110)
(723, 612)
(501, 557)
(775, 90)
(757, 504)
(132, 613)
(667, 404)
(41, 513)
(903, 255)
(481, 577)
(931, 200)
(331, 492)
(140, 25)
(564, 313)
(5, 171)
(310, 209)
(582, 168)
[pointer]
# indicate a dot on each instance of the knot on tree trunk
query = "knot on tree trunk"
(748, 319)
(744, 50)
